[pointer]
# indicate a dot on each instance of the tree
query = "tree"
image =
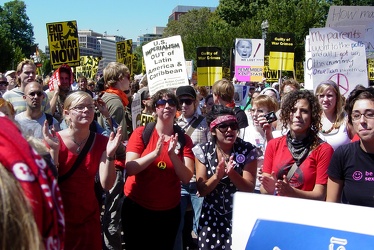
(15, 25)
(234, 12)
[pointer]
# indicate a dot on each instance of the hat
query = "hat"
(9, 72)
(144, 94)
(186, 90)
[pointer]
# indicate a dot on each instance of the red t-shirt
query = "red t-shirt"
(82, 214)
(313, 170)
(37, 181)
(155, 188)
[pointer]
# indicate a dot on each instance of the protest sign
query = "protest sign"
(353, 16)
(89, 67)
(339, 55)
(282, 47)
(249, 59)
(327, 226)
(209, 65)
(124, 52)
(189, 67)
(63, 43)
(136, 110)
(240, 94)
(165, 64)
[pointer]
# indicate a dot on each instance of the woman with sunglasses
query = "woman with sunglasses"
(295, 164)
(351, 172)
(225, 165)
(335, 127)
(151, 210)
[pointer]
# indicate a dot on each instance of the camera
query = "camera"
(270, 117)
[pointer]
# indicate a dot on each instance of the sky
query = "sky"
(116, 17)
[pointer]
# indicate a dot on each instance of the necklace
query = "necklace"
(162, 164)
(225, 156)
(331, 129)
(79, 144)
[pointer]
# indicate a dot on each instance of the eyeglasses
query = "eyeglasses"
(223, 127)
(369, 114)
(4, 84)
(81, 108)
(161, 103)
(186, 101)
(37, 93)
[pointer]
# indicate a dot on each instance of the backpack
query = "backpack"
(149, 127)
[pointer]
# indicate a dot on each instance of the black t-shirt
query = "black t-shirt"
(241, 117)
(355, 167)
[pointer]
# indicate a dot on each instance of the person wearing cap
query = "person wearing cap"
(11, 78)
(26, 73)
(196, 127)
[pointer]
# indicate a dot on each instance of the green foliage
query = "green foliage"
(15, 26)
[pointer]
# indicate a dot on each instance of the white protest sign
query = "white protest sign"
(339, 55)
(136, 110)
(165, 64)
(189, 67)
(308, 72)
(249, 55)
(275, 222)
(351, 16)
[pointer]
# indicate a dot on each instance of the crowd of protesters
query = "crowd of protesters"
(84, 178)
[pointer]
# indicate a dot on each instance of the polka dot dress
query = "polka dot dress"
(216, 216)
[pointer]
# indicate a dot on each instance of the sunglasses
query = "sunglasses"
(223, 127)
(161, 103)
(186, 101)
(4, 84)
(33, 94)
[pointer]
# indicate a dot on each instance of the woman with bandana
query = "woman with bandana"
(225, 165)
(296, 163)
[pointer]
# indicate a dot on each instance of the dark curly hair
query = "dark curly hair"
(218, 110)
(358, 93)
(160, 94)
(288, 106)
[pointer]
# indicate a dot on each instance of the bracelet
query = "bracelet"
(110, 158)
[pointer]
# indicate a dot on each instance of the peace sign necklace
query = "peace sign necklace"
(162, 164)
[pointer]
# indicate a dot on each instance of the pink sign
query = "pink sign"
(243, 73)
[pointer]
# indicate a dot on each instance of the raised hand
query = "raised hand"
(113, 142)
(50, 137)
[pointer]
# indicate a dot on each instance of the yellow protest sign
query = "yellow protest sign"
(63, 43)
(124, 52)
(89, 67)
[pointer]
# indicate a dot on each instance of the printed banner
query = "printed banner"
(89, 67)
(338, 54)
(249, 59)
(240, 94)
(165, 64)
(63, 43)
(324, 228)
(282, 47)
(124, 52)
(209, 65)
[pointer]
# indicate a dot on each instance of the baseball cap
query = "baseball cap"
(9, 72)
(186, 90)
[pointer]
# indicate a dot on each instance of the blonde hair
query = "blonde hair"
(339, 106)
(9, 106)
(20, 68)
(74, 98)
(115, 72)
(224, 89)
(18, 229)
(264, 100)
